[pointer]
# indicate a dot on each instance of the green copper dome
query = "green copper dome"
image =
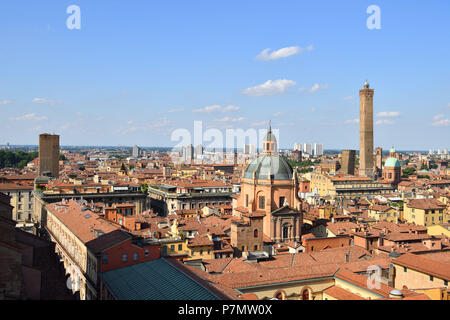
(278, 168)
(392, 162)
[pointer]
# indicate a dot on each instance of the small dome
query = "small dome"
(273, 164)
(270, 136)
(396, 292)
(392, 162)
(366, 85)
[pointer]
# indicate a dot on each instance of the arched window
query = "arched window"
(255, 233)
(279, 295)
(305, 294)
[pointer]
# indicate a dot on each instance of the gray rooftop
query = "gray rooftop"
(154, 280)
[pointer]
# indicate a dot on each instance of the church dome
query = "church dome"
(264, 165)
(392, 162)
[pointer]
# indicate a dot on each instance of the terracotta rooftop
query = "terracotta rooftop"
(426, 204)
(426, 265)
(81, 223)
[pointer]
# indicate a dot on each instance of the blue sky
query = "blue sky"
(137, 70)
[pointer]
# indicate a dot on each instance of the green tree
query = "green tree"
(144, 188)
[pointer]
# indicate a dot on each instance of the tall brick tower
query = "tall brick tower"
(49, 154)
(379, 161)
(348, 162)
(366, 131)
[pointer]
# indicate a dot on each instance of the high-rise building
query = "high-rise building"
(366, 131)
(298, 147)
(296, 155)
(189, 153)
(318, 149)
(307, 148)
(49, 155)
(198, 151)
(348, 162)
(249, 149)
(136, 152)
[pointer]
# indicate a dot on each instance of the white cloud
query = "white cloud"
(388, 114)
(216, 107)
(5, 102)
(314, 88)
(385, 121)
(313, 109)
(231, 108)
(347, 98)
(269, 88)
(29, 116)
(228, 119)
(208, 109)
(281, 53)
(441, 123)
(277, 114)
(260, 123)
(438, 116)
(175, 110)
(46, 101)
(352, 121)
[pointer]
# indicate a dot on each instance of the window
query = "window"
(201, 252)
(282, 199)
(261, 202)
(255, 233)
(256, 247)
(135, 256)
(105, 258)
(431, 278)
(405, 269)
(180, 247)
(172, 248)
(445, 283)
(124, 257)
(246, 200)
(146, 252)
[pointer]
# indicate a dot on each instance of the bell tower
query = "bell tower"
(270, 143)
(366, 163)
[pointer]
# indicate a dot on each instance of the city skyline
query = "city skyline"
(303, 70)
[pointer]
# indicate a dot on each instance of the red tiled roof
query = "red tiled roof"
(341, 294)
(424, 265)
